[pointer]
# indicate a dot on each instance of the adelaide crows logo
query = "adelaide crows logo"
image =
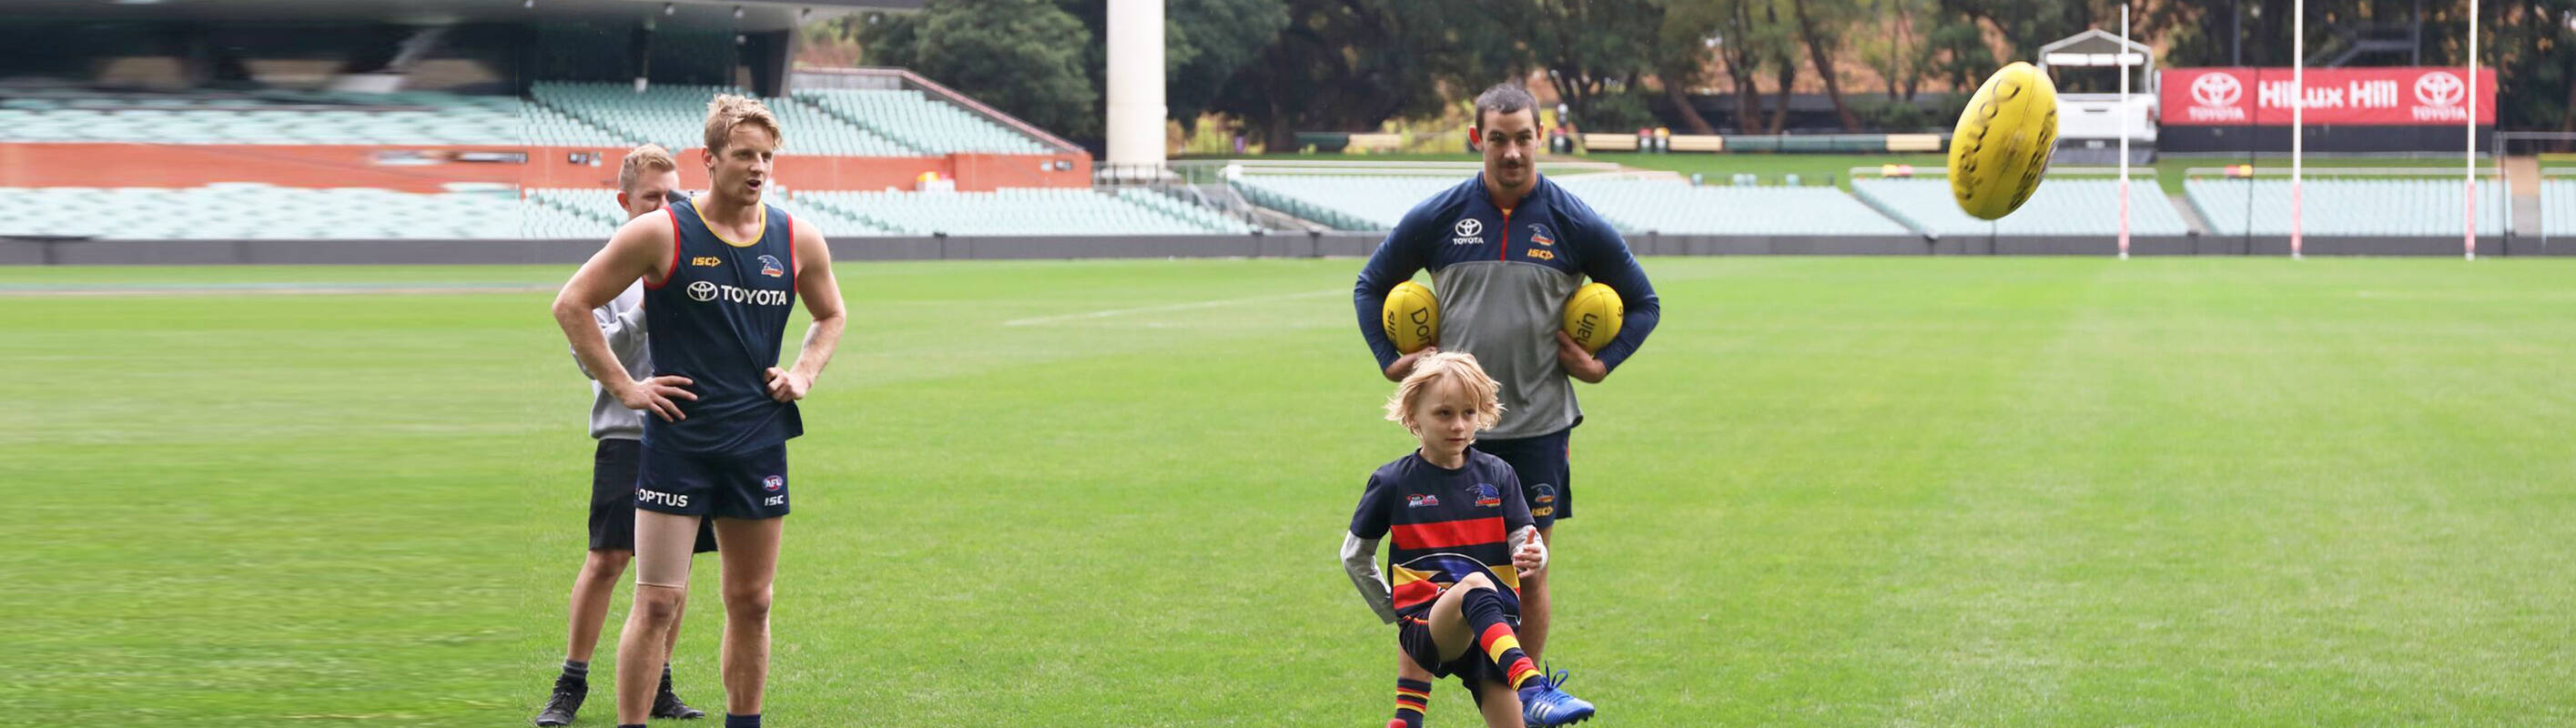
(1488, 496)
(769, 266)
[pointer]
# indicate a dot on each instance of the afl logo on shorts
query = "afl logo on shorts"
(1542, 500)
(773, 483)
(769, 266)
(702, 291)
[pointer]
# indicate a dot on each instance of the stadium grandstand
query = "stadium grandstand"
(915, 120)
(1668, 205)
(1673, 206)
(457, 130)
(505, 120)
(253, 211)
(2064, 206)
(1663, 204)
(2558, 207)
(269, 118)
(2345, 206)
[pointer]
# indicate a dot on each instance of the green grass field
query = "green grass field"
(1828, 492)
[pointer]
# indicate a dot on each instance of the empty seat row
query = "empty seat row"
(256, 211)
(2346, 206)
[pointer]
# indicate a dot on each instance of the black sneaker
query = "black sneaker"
(666, 704)
(566, 702)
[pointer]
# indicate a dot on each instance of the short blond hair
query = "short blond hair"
(1457, 365)
(728, 111)
(647, 159)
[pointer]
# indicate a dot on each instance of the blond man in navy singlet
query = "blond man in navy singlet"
(721, 274)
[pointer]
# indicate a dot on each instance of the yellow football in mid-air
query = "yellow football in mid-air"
(2003, 141)
(1592, 316)
(1412, 317)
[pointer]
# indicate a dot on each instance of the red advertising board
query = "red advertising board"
(2392, 96)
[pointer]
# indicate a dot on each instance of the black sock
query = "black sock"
(666, 677)
(576, 670)
(742, 721)
(630, 725)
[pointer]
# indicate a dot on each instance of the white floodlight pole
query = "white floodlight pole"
(2469, 245)
(2298, 116)
(2123, 56)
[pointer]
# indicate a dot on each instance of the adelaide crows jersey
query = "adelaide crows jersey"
(717, 319)
(1443, 524)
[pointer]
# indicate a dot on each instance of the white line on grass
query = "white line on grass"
(1168, 307)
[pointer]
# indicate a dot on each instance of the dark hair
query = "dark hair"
(1505, 98)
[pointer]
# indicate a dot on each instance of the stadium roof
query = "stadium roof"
(757, 15)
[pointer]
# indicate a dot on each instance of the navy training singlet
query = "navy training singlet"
(717, 319)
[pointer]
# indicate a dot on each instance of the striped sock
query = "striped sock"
(1412, 699)
(1484, 612)
(577, 670)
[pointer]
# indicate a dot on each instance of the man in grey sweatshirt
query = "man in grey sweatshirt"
(647, 178)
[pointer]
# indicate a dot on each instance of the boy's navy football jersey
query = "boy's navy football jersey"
(717, 319)
(1443, 524)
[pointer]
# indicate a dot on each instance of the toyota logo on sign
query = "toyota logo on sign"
(2439, 89)
(2217, 89)
(702, 291)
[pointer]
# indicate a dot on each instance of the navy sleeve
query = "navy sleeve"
(1396, 260)
(1370, 520)
(1606, 260)
(1516, 513)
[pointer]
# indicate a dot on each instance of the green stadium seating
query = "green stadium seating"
(675, 117)
(1679, 208)
(256, 211)
(417, 118)
(2558, 207)
(1366, 202)
(2063, 206)
(2345, 206)
(235, 211)
(920, 122)
(1030, 211)
(903, 123)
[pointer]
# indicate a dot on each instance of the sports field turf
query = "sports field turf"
(1828, 492)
